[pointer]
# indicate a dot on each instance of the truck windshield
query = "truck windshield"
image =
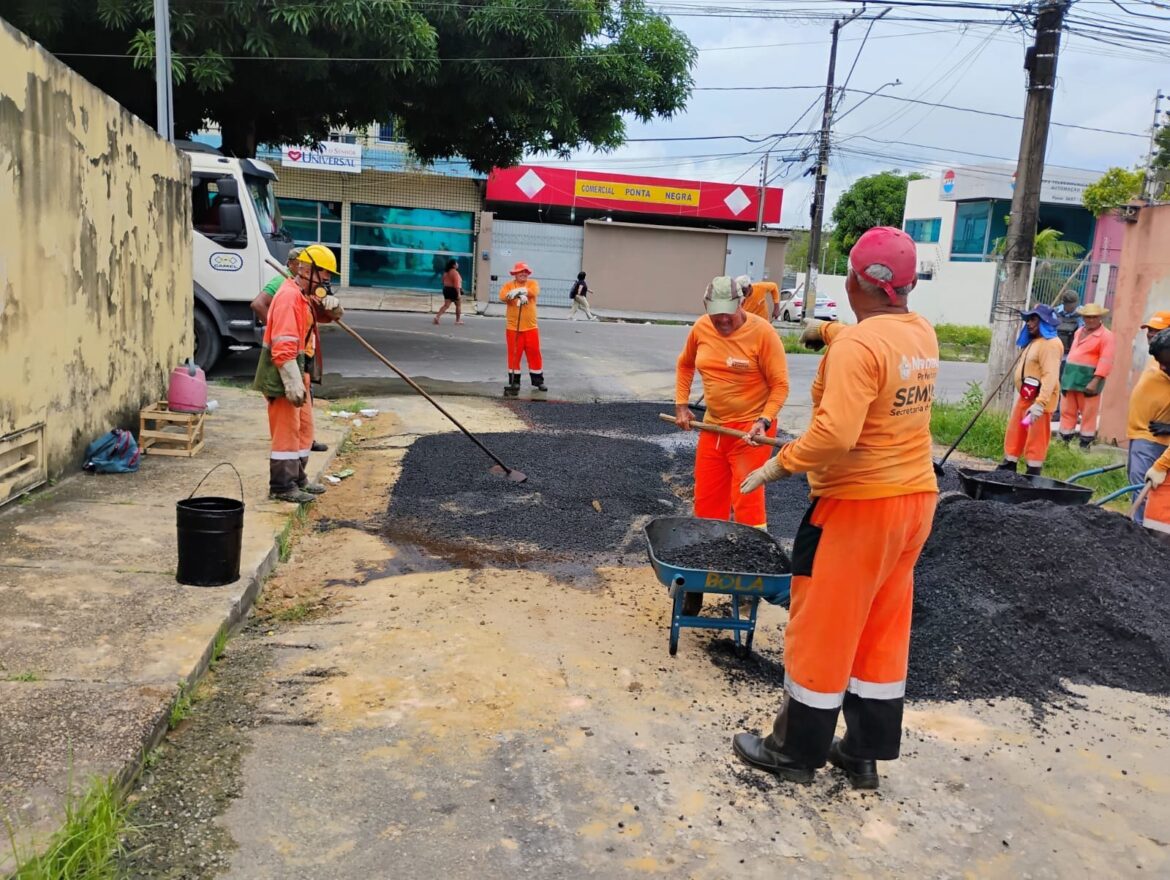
(267, 211)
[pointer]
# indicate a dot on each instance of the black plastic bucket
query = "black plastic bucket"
(211, 537)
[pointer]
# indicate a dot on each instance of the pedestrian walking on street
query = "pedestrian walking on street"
(867, 453)
(1148, 425)
(1089, 363)
(452, 291)
(745, 382)
(523, 335)
(1029, 427)
(579, 296)
(282, 374)
(756, 296)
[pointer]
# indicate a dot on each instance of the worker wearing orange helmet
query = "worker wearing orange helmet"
(522, 333)
(745, 381)
(867, 453)
(290, 343)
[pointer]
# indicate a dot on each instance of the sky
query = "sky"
(1100, 85)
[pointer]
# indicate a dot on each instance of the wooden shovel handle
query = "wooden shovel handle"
(1142, 495)
(727, 432)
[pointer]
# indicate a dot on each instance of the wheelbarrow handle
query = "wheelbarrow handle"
(1095, 471)
(727, 432)
(1113, 496)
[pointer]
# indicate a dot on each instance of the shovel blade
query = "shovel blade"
(513, 475)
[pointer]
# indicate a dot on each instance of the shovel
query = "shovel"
(499, 467)
(938, 465)
(726, 432)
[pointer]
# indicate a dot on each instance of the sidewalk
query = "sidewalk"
(95, 635)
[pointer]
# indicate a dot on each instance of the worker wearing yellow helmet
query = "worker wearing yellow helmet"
(290, 343)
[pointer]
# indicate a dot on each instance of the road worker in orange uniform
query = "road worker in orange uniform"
(745, 380)
(1154, 405)
(867, 453)
(290, 340)
(1029, 427)
(756, 296)
(1089, 363)
(523, 336)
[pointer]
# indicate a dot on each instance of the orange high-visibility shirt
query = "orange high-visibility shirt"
(870, 430)
(521, 317)
(289, 326)
(1041, 361)
(745, 375)
(756, 302)
(1149, 402)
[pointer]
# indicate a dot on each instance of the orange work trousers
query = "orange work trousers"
(526, 343)
(847, 643)
(291, 430)
(1074, 404)
(721, 463)
(1031, 442)
(1157, 515)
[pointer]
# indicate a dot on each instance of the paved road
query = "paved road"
(583, 361)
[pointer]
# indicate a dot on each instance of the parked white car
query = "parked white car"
(792, 303)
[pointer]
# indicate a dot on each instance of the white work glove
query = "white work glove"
(1155, 477)
(519, 291)
(331, 305)
(293, 381)
(810, 336)
(1036, 411)
(769, 473)
(523, 299)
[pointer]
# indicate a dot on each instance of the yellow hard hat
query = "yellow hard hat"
(320, 256)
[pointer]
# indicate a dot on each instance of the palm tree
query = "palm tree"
(1049, 245)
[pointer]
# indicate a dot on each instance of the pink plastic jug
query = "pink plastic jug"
(187, 391)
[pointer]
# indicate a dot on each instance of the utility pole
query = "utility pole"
(822, 169)
(1148, 180)
(763, 184)
(164, 100)
(1040, 62)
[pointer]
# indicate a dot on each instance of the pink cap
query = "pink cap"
(889, 247)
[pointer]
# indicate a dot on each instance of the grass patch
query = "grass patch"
(219, 645)
(348, 404)
(285, 540)
(86, 846)
(24, 676)
(985, 440)
(963, 334)
(293, 613)
(181, 708)
(792, 345)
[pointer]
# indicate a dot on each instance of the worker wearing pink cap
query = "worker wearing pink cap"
(867, 453)
(522, 333)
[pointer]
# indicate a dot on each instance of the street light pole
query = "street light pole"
(164, 100)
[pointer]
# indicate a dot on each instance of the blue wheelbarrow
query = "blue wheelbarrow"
(668, 534)
(1112, 496)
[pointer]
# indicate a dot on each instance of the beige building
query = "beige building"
(95, 265)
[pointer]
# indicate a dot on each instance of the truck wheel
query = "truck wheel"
(208, 344)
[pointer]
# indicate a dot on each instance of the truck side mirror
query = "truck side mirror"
(228, 188)
(231, 219)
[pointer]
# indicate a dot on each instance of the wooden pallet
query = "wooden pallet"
(22, 462)
(162, 432)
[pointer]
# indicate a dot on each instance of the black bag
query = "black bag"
(575, 291)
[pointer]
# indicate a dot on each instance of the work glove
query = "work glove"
(1160, 429)
(1035, 411)
(810, 336)
(1155, 477)
(523, 300)
(769, 473)
(331, 305)
(1093, 388)
(519, 291)
(294, 382)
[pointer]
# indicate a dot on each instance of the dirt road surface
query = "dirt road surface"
(391, 714)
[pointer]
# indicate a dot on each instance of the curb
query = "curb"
(236, 615)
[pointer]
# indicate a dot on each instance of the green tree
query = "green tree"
(1049, 245)
(1115, 188)
(484, 79)
(1162, 148)
(877, 200)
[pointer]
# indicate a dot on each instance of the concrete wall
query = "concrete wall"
(1143, 287)
(634, 267)
(960, 293)
(95, 255)
(923, 203)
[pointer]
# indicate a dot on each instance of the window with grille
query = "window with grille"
(309, 222)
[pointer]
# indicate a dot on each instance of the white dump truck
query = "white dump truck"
(236, 226)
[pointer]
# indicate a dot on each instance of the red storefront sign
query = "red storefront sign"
(667, 197)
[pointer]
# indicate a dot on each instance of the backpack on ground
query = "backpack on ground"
(113, 453)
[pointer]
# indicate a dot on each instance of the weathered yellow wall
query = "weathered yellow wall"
(95, 255)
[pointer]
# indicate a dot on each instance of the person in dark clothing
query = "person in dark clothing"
(578, 294)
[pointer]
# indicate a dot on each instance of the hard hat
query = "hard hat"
(319, 256)
(1158, 321)
(722, 297)
(1093, 310)
(743, 282)
(520, 267)
(888, 247)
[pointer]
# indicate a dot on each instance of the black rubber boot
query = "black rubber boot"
(312, 488)
(1034, 471)
(1066, 439)
(1006, 465)
(537, 381)
(318, 446)
(1087, 442)
(862, 772)
(512, 389)
(761, 752)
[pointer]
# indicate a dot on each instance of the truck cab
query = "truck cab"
(236, 229)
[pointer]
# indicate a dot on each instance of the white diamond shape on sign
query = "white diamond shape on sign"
(530, 183)
(737, 201)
